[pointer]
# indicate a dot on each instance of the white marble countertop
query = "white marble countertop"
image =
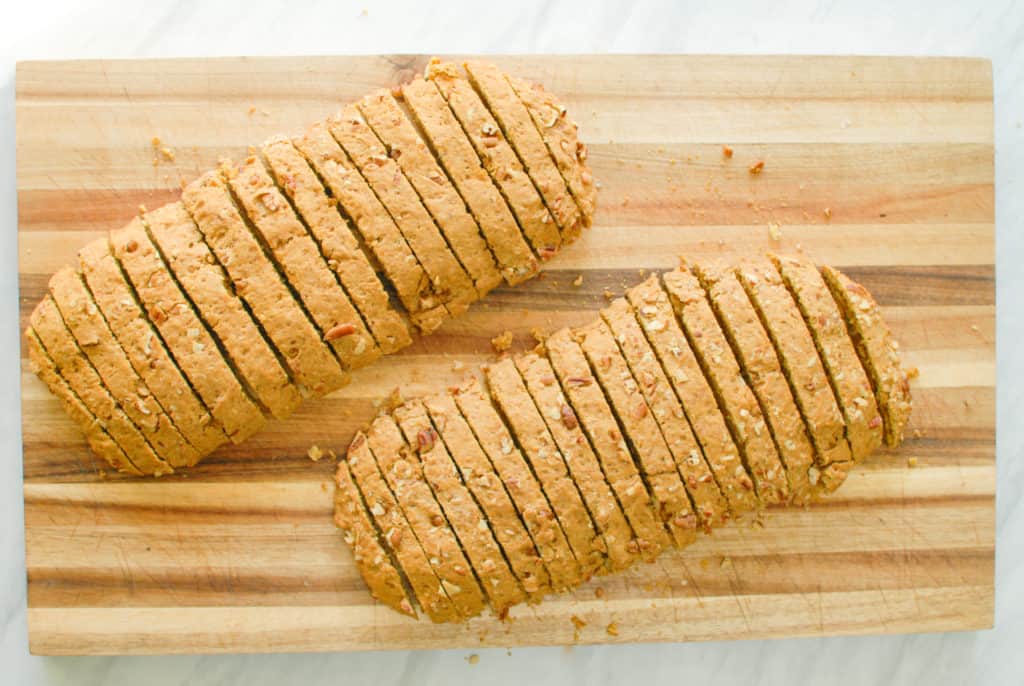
(117, 28)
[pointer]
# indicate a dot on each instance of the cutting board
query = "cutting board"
(881, 166)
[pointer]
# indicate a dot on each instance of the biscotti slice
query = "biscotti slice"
(336, 242)
(803, 369)
(447, 276)
(761, 369)
(190, 344)
(832, 340)
(373, 561)
(517, 126)
(584, 468)
(95, 434)
(498, 157)
(454, 151)
(562, 139)
(548, 464)
(605, 437)
(145, 349)
(708, 502)
(377, 229)
(877, 350)
(657, 319)
(397, 534)
(537, 514)
(490, 494)
(304, 269)
(72, 365)
(738, 404)
(463, 514)
(443, 202)
(83, 319)
(657, 467)
(258, 283)
(204, 282)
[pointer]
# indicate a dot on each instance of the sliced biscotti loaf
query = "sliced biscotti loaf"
(450, 281)
(548, 464)
(377, 567)
(377, 229)
(877, 349)
(94, 338)
(334, 237)
(463, 514)
(397, 537)
(589, 405)
(584, 469)
(495, 438)
(844, 369)
(654, 313)
(73, 366)
(499, 513)
(98, 438)
(207, 286)
(498, 158)
(310, 362)
(404, 145)
(649, 449)
(709, 504)
(455, 153)
(401, 467)
(304, 269)
(763, 374)
(187, 339)
(802, 367)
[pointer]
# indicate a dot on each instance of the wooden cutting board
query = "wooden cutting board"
(241, 554)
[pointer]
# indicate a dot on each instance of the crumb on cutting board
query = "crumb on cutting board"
(502, 342)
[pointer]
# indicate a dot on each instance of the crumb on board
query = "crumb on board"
(314, 453)
(155, 141)
(578, 281)
(142, 209)
(757, 167)
(474, 658)
(827, 212)
(911, 462)
(168, 153)
(612, 629)
(252, 110)
(913, 373)
(577, 622)
(774, 231)
(599, 592)
(726, 562)
(608, 295)
(538, 334)
(502, 342)
(458, 365)
(726, 152)
(974, 328)
(917, 433)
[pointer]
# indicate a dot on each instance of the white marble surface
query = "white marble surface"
(63, 29)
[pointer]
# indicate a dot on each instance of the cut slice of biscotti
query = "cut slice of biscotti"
(74, 367)
(145, 349)
(401, 467)
(397, 533)
(562, 139)
(877, 349)
(435, 190)
(187, 339)
(763, 374)
(657, 319)
(463, 515)
(842, 365)
(204, 282)
(310, 362)
(709, 504)
(537, 514)
(499, 513)
(384, 176)
(376, 227)
(802, 367)
(376, 566)
(498, 158)
(652, 455)
(303, 268)
(584, 468)
(95, 434)
(548, 465)
(339, 247)
(737, 402)
(591, 409)
(515, 122)
(94, 338)
(455, 153)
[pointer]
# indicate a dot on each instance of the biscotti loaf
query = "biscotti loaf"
(268, 282)
(707, 393)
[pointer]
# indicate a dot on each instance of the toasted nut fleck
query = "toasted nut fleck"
(569, 417)
(576, 381)
(436, 520)
(394, 538)
(757, 167)
(339, 331)
(577, 622)
(612, 629)
(131, 246)
(425, 440)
